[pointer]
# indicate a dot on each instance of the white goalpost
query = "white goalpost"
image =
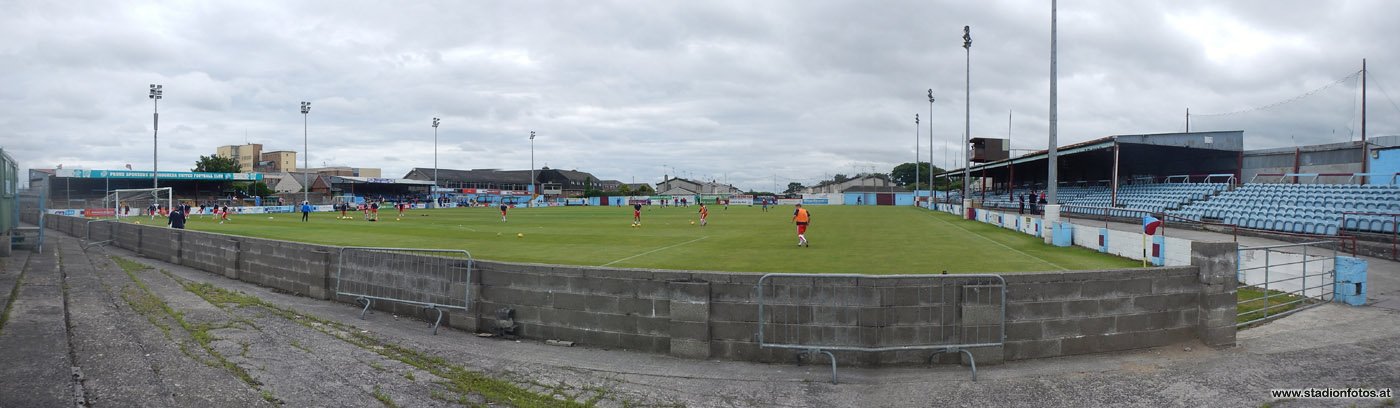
(139, 200)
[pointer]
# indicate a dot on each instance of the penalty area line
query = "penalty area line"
(655, 250)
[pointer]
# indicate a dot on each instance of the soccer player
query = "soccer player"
(704, 215)
(802, 217)
(637, 214)
(374, 211)
(223, 214)
(504, 207)
(402, 206)
(765, 204)
(177, 219)
(305, 211)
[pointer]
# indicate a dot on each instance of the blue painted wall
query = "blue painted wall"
(1387, 160)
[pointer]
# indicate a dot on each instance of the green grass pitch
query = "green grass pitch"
(845, 239)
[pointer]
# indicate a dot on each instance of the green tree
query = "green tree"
(903, 174)
(624, 190)
(793, 188)
(645, 190)
(840, 178)
(259, 189)
(216, 164)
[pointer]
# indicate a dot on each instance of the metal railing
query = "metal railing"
(434, 279)
(1288, 273)
(825, 313)
(88, 242)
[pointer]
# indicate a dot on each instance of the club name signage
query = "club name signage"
(492, 191)
(164, 175)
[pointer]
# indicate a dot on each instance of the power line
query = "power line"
(1383, 92)
(1353, 76)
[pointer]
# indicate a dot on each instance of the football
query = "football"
(520, 235)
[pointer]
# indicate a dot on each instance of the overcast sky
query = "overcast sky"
(756, 92)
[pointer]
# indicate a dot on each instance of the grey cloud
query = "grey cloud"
(796, 90)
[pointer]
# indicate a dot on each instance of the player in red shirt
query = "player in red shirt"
(637, 215)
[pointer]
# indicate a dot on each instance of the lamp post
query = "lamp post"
(532, 168)
(305, 156)
(967, 112)
(916, 160)
(436, 121)
(156, 93)
(1052, 177)
(930, 148)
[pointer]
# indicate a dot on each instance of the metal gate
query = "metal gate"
(822, 313)
(31, 209)
(434, 279)
(1279, 280)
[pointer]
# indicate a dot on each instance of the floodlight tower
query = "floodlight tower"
(305, 155)
(930, 148)
(436, 121)
(967, 119)
(156, 93)
(916, 160)
(532, 169)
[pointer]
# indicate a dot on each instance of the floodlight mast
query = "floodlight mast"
(157, 92)
(436, 122)
(533, 190)
(306, 155)
(967, 118)
(930, 148)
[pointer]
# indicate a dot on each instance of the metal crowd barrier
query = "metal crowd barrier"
(434, 279)
(822, 313)
(1289, 273)
(88, 242)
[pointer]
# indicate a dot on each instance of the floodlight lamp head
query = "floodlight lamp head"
(436, 121)
(930, 95)
(305, 107)
(967, 37)
(532, 135)
(156, 91)
(916, 118)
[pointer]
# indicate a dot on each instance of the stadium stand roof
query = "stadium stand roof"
(1195, 153)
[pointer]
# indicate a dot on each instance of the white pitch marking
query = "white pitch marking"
(654, 250)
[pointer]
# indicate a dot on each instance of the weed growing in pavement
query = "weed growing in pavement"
(384, 398)
(298, 346)
(458, 379)
(199, 332)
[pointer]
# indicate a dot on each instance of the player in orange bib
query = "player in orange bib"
(802, 217)
(704, 215)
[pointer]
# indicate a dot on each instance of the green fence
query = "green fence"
(9, 176)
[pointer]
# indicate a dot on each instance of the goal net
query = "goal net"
(139, 201)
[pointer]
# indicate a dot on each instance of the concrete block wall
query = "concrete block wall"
(714, 315)
(294, 267)
(1068, 313)
(622, 308)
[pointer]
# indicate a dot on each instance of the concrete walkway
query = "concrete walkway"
(126, 359)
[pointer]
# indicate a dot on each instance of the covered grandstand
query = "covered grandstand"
(1207, 177)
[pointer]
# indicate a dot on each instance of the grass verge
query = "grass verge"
(1253, 305)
